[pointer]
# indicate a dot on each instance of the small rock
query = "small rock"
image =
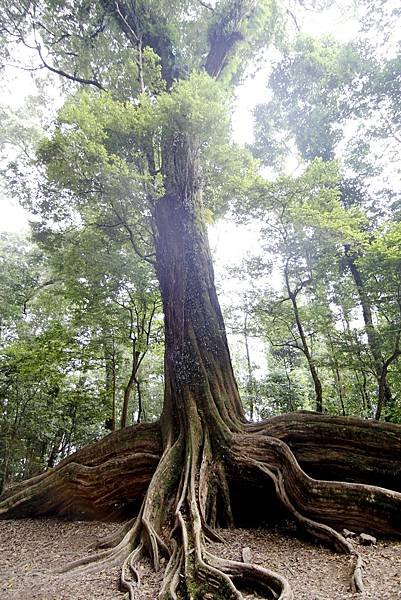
(367, 540)
(348, 534)
(246, 555)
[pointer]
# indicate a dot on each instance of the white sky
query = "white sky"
(13, 218)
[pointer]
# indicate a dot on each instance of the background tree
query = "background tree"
(322, 91)
(68, 350)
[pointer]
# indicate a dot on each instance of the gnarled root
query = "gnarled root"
(97, 482)
(204, 574)
(192, 570)
(339, 504)
(340, 448)
(319, 506)
(189, 495)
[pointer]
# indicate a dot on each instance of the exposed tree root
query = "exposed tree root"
(316, 530)
(338, 448)
(188, 495)
(100, 481)
(203, 572)
(339, 504)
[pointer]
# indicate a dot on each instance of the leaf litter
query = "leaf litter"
(31, 550)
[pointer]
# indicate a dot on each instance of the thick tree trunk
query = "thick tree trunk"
(200, 383)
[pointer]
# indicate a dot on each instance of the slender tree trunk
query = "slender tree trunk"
(55, 449)
(5, 458)
(139, 394)
(130, 385)
(110, 376)
(305, 346)
(251, 381)
(384, 396)
(338, 385)
(291, 394)
(381, 395)
(366, 404)
(337, 376)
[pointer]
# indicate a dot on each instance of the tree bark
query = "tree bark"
(199, 378)
(110, 376)
(336, 374)
(305, 346)
(251, 380)
(130, 384)
(384, 395)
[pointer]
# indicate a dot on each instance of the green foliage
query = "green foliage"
(196, 107)
(282, 393)
(45, 365)
(333, 231)
(310, 87)
(60, 315)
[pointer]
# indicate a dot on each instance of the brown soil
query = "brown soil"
(30, 551)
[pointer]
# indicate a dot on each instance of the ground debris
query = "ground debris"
(367, 540)
(348, 534)
(246, 554)
(30, 550)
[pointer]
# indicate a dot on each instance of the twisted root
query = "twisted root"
(188, 494)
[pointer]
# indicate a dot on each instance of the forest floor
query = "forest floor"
(31, 549)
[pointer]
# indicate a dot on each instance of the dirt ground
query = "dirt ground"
(30, 551)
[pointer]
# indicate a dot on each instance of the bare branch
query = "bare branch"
(205, 5)
(66, 75)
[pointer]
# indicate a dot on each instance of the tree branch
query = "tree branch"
(226, 33)
(66, 75)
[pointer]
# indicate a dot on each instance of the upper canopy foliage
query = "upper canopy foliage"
(161, 69)
(120, 45)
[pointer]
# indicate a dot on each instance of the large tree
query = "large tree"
(169, 66)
